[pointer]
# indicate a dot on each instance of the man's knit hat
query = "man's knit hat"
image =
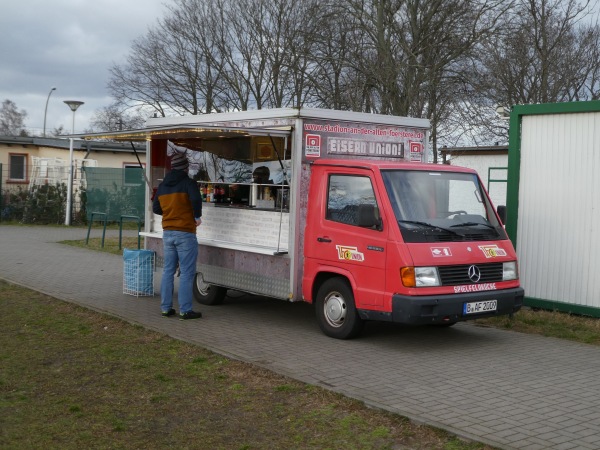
(179, 161)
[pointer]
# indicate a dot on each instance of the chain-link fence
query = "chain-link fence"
(41, 197)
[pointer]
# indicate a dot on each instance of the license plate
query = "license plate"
(480, 307)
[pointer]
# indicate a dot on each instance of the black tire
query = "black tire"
(336, 313)
(208, 294)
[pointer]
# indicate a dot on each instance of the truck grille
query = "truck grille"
(458, 275)
(467, 237)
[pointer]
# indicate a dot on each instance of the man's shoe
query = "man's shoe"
(169, 313)
(190, 315)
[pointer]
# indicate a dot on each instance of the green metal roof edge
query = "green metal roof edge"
(556, 108)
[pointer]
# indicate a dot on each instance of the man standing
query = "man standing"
(179, 202)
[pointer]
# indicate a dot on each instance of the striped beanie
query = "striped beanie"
(179, 161)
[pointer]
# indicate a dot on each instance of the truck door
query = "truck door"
(346, 235)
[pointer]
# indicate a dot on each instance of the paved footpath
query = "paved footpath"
(506, 389)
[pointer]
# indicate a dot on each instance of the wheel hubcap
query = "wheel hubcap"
(335, 310)
(201, 285)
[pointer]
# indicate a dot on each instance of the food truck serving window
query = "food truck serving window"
(234, 170)
(234, 160)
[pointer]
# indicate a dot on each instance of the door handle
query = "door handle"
(322, 239)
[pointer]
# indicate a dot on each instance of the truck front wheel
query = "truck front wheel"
(208, 294)
(336, 312)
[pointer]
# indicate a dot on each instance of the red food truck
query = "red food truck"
(346, 215)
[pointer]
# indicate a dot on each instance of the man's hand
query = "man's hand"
(198, 221)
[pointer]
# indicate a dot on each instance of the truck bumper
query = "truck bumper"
(441, 309)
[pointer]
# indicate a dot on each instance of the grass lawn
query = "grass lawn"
(72, 378)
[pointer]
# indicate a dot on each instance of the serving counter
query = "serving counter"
(255, 230)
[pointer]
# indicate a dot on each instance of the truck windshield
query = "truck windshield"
(441, 206)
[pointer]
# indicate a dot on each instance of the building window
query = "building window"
(17, 164)
(132, 175)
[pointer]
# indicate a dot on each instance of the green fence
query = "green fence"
(37, 200)
(115, 192)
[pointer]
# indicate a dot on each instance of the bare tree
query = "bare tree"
(411, 53)
(337, 77)
(544, 54)
(201, 25)
(114, 118)
(267, 50)
(447, 60)
(12, 121)
(59, 131)
(168, 69)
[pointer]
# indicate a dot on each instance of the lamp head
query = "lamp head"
(73, 104)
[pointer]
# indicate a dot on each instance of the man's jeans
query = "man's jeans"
(181, 247)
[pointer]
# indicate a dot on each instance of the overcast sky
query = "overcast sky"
(70, 45)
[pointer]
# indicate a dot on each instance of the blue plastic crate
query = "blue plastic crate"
(138, 272)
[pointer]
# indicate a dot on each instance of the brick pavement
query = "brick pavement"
(507, 389)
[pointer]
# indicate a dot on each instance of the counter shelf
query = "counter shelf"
(260, 196)
(252, 248)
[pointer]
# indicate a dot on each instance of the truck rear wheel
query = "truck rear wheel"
(206, 293)
(336, 312)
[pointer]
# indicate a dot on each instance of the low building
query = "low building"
(34, 179)
(27, 160)
(491, 162)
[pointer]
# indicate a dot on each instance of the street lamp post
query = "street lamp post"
(73, 104)
(46, 110)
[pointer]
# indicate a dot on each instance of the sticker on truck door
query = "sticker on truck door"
(439, 252)
(492, 251)
(312, 145)
(349, 253)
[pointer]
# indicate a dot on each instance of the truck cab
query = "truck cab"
(406, 243)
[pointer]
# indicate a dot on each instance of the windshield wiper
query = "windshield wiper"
(431, 226)
(473, 224)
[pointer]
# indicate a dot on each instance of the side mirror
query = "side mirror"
(368, 217)
(502, 213)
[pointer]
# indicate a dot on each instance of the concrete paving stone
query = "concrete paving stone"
(516, 437)
(591, 440)
(566, 446)
(504, 435)
(475, 411)
(586, 446)
(520, 416)
(564, 421)
(550, 412)
(582, 427)
(481, 430)
(502, 425)
(552, 437)
(572, 405)
(591, 414)
(443, 415)
(526, 444)
(561, 439)
(540, 427)
(492, 418)
(583, 432)
(463, 424)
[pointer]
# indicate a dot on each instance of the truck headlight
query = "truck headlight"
(420, 276)
(509, 271)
